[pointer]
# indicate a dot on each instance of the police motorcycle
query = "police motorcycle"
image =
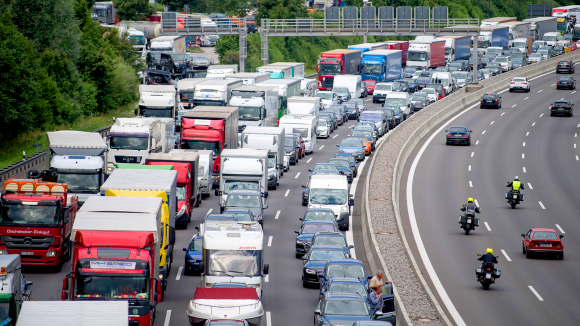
(487, 273)
(514, 197)
(468, 221)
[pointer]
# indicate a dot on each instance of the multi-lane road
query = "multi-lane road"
(284, 298)
(519, 139)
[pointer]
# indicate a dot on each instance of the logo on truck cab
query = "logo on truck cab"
(202, 122)
(248, 248)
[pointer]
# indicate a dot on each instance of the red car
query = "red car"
(370, 85)
(542, 241)
(302, 148)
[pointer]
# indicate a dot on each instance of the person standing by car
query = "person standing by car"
(377, 280)
(374, 298)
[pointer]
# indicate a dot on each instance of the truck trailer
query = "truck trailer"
(426, 54)
(366, 47)
(297, 68)
(258, 105)
(497, 20)
(399, 45)
(517, 30)
(271, 139)
(286, 89)
(337, 62)
(215, 92)
(542, 25)
(221, 71)
(250, 78)
(456, 47)
(493, 36)
(382, 65)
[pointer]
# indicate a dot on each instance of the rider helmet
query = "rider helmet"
(517, 178)
(470, 200)
(489, 251)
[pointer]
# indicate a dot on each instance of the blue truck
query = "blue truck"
(366, 47)
(457, 47)
(382, 65)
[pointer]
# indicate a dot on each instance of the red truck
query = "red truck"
(36, 222)
(399, 45)
(188, 195)
(210, 128)
(337, 62)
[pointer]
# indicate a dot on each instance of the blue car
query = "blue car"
(323, 166)
(332, 239)
(307, 231)
(343, 167)
(344, 268)
(344, 284)
(354, 146)
(315, 260)
(193, 256)
(318, 214)
(351, 159)
(343, 308)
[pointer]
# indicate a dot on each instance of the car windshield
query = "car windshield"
(340, 90)
(350, 143)
(289, 141)
(319, 216)
(132, 143)
(326, 240)
(358, 134)
(346, 270)
(328, 196)
(312, 228)
(196, 245)
(428, 90)
(418, 98)
(233, 262)
(112, 287)
(357, 101)
(545, 236)
(346, 307)
(563, 64)
(518, 80)
(518, 44)
(423, 80)
(395, 102)
(384, 87)
(489, 96)
(237, 200)
(324, 95)
(322, 122)
(29, 214)
(351, 159)
(241, 216)
(457, 130)
(80, 181)
(325, 254)
(370, 83)
(459, 75)
(534, 55)
(230, 185)
(341, 163)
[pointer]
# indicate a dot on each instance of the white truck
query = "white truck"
(79, 159)
(157, 101)
(204, 176)
(185, 90)
(277, 72)
(331, 191)
(297, 71)
(258, 105)
(303, 125)
(353, 83)
(271, 139)
(14, 291)
(243, 169)
(250, 78)
(304, 106)
(169, 44)
(74, 313)
(132, 139)
(286, 89)
(221, 71)
(233, 259)
(214, 92)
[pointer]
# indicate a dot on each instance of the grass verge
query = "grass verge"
(11, 152)
(309, 72)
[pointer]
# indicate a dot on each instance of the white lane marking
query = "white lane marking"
(470, 184)
(334, 136)
(321, 147)
(472, 153)
(541, 115)
(267, 278)
(502, 114)
(477, 142)
(573, 92)
(535, 293)
(523, 155)
(560, 228)
(543, 207)
(576, 157)
(575, 135)
(268, 318)
(533, 124)
(287, 192)
(492, 123)
(524, 168)
(524, 144)
(368, 100)
(526, 98)
(530, 185)
(552, 84)
(270, 241)
(561, 98)
(297, 175)
(574, 145)
(167, 318)
(578, 126)
(540, 90)
(310, 159)
(476, 203)
(487, 226)
(209, 212)
(513, 106)
(483, 132)
(527, 133)
(415, 227)
(506, 255)
(277, 215)
(178, 276)
(469, 168)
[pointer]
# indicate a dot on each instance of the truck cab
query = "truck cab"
(14, 291)
(258, 105)
(157, 101)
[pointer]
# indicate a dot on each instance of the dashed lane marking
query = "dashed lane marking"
(492, 122)
(469, 168)
(167, 318)
(560, 228)
(524, 168)
(310, 159)
(277, 215)
(542, 205)
(524, 144)
(209, 212)
(541, 115)
(321, 147)
(535, 293)
(477, 142)
(523, 155)
(483, 132)
(502, 114)
(506, 255)
(527, 133)
(513, 106)
(470, 184)
(287, 192)
(487, 226)
(270, 241)
(178, 276)
(526, 98)
(297, 175)
(533, 124)
(530, 186)
(540, 90)
(268, 318)
(472, 153)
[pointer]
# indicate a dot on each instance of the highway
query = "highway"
(519, 139)
(284, 298)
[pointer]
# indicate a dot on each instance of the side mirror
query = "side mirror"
(29, 283)
(201, 267)
(471, 131)
(561, 236)
(65, 288)
(349, 247)
(301, 219)
(317, 311)
(297, 232)
(337, 145)
(184, 249)
(351, 202)
(320, 274)
(197, 227)
(310, 170)
(479, 255)
(304, 258)
(378, 313)
(523, 235)
(266, 269)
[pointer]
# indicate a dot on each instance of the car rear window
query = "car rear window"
(457, 130)
(560, 103)
(545, 236)
(518, 80)
(563, 63)
(566, 78)
(489, 97)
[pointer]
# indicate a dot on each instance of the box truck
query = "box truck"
(276, 72)
(493, 36)
(542, 25)
(250, 78)
(517, 30)
(337, 62)
(299, 106)
(426, 54)
(74, 313)
(169, 44)
(365, 47)
(382, 65)
(286, 89)
(157, 101)
(221, 71)
(215, 92)
(297, 68)
(305, 125)
(185, 91)
(258, 105)
(399, 45)
(271, 139)
(496, 21)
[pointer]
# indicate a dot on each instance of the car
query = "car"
(461, 77)
(519, 59)
(370, 126)
(561, 107)
(291, 148)
(332, 239)
(390, 116)
(323, 166)
(219, 217)
(339, 115)
(452, 69)
(242, 214)
(565, 66)
(421, 82)
(378, 119)
(542, 241)
(220, 19)
(397, 114)
(480, 64)
(400, 85)
(344, 268)
(360, 104)
(494, 67)
(544, 53)
(332, 116)
(174, 62)
(351, 159)
(343, 167)
(315, 260)
(251, 23)
(367, 143)
(327, 98)
(412, 84)
(438, 88)
(318, 214)
(419, 101)
(490, 100)
(344, 284)
(381, 91)
(342, 109)
(520, 83)
(343, 309)
(458, 135)
(307, 231)
(432, 95)
(300, 142)
(200, 62)
(193, 256)
(365, 132)
(442, 69)
(250, 199)
(342, 93)
(352, 145)
(460, 65)
(566, 82)
(408, 72)
(558, 50)
(535, 57)
(370, 85)
(323, 127)
(486, 73)
(354, 108)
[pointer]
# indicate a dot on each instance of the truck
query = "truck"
(221, 71)
(299, 106)
(456, 47)
(365, 47)
(493, 36)
(15, 289)
(271, 139)
(297, 68)
(399, 45)
(74, 313)
(157, 101)
(116, 258)
(308, 87)
(80, 160)
(131, 140)
(425, 54)
(169, 44)
(542, 25)
(188, 195)
(517, 30)
(136, 38)
(303, 125)
(337, 62)
(497, 20)
(185, 91)
(276, 72)
(382, 65)
(250, 78)
(243, 168)
(37, 222)
(204, 177)
(258, 105)
(238, 258)
(150, 29)
(214, 92)
(105, 12)
(286, 89)
(210, 128)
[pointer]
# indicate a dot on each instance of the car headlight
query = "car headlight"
(301, 241)
(310, 271)
(182, 210)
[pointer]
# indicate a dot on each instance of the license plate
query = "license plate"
(488, 275)
(515, 197)
(26, 253)
(468, 221)
(545, 244)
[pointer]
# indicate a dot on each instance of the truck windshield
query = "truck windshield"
(250, 113)
(233, 262)
(5, 309)
(30, 215)
(417, 56)
(371, 69)
(137, 39)
(239, 200)
(482, 44)
(80, 181)
(156, 112)
(202, 145)
(328, 196)
(112, 287)
(519, 45)
(240, 185)
(329, 69)
(134, 143)
(181, 194)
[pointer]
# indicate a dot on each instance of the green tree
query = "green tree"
(280, 9)
(132, 9)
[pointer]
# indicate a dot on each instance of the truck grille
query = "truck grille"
(127, 159)
(27, 242)
(327, 82)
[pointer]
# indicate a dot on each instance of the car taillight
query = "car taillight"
(559, 83)
(569, 82)
(496, 100)
(481, 100)
(449, 135)
(465, 136)
(524, 83)
(512, 83)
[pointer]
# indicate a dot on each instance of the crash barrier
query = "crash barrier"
(442, 110)
(20, 168)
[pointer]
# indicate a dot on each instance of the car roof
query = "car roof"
(320, 222)
(331, 234)
(326, 171)
(326, 247)
(345, 280)
(337, 159)
(244, 192)
(343, 295)
(236, 210)
(345, 261)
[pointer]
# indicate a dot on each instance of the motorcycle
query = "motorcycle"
(487, 274)
(468, 221)
(514, 197)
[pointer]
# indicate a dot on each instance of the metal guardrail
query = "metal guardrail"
(199, 26)
(26, 164)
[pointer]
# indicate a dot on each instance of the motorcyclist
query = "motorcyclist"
(488, 257)
(515, 185)
(470, 206)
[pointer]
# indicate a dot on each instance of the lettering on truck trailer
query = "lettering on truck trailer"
(113, 265)
(202, 122)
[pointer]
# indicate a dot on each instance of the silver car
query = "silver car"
(342, 93)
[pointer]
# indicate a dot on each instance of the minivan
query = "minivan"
(402, 100)
(331, 191)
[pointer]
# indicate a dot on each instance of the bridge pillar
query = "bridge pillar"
(243, 45)
(264, 34)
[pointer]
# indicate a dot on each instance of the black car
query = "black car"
(490, 100)
(153, 60)
(558, 50)
(352, 110)
(174, 62)
(561, 107)
(458, 135)
(309, 228)
(291, 147)
(351, 159)
(400, 86)
(459, 65)
(315, 260)
(480, 64)
(565, 66)
(566, 82)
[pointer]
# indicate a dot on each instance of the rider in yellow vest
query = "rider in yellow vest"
(516, 185)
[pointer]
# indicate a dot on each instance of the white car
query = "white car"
(505, 62)
(520, 83)
(327, 98)
(431, 94)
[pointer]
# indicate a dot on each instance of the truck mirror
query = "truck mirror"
(266, 269)
(64, 295)
(225, 145)
(66, 221)
(184, 249)
(137, 111)
(263, 113)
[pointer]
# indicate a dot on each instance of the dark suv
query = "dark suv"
(174, 62)
(565, 66)
(154, 60)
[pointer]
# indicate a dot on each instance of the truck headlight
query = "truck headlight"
(344, 209)
(3, 251)
(51, 253)
(258, 217)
